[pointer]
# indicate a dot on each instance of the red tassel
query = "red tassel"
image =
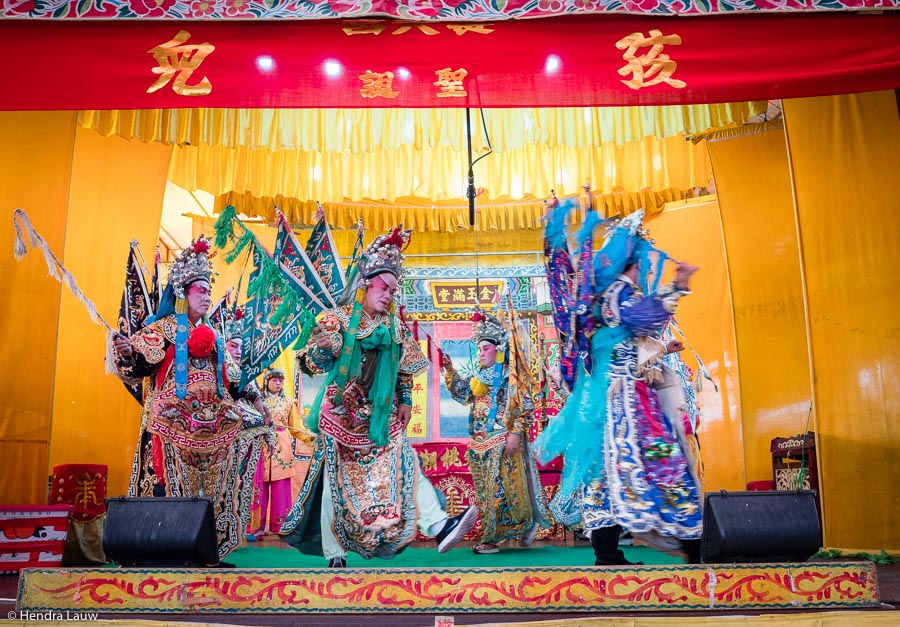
(416, 330)
(158, 466)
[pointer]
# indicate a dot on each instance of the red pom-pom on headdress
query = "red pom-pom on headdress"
(238, 314)
(201, 342)
(201, 246)
(394, 239)
(477, 316)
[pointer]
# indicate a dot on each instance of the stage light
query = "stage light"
(403, 73)
(552, 65)
(409, 131)
(332, 68)
(265, 63)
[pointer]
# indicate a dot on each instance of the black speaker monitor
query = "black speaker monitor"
(168, 531)
(779, 526)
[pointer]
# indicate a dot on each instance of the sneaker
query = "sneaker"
(455, 528)
(251, 537)
(337, 562)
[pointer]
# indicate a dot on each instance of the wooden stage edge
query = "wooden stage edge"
(690, 588)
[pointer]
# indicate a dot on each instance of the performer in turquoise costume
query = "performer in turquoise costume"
(624, 462)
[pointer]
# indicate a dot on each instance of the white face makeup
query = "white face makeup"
(380, 293)
(487, 354)
(199, 298)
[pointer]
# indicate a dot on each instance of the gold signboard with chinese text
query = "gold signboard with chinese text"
(465, 294)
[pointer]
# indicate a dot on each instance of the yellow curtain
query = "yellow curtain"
(35, 161)
(447, 216)
(115, 196)
(844, 152)
(439, 172)
(691, 232)
(754, 189)
(368, 130)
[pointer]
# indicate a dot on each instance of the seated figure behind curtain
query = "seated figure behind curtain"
(190, 408)
(364, 491)
(507, 486)
(625, 463)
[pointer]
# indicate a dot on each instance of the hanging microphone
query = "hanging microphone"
(470, 189)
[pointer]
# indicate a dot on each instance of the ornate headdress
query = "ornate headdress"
(234, 324)
(193, 264)
(490, 328)
(626, 242)
(384, 254)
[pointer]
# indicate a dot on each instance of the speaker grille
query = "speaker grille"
(777, 526)
(166, 531)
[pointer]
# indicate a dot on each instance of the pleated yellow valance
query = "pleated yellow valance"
(366, 130)
(423, 215)
(439, 173)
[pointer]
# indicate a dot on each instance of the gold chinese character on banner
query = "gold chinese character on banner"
(450, 458)
(428, 460)
(653, 67)
(406, 26)
(364, 27)
(86, 493)
(451, 83)
(377, 84)
(180, 61)
(461, 29)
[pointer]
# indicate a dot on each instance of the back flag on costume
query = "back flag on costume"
(136, 306)
(156, 281)
(264, 340)
(358, 249)
(284, 292)
(300, 269)
(324, 256)
(570, 288)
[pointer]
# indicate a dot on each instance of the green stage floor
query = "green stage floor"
(265, 555)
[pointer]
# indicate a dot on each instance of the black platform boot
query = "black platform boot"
(691, 548)
(606, 546)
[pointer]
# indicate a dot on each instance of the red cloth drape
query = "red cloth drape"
(550, 62)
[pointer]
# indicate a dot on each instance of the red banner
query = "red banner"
(585, 61)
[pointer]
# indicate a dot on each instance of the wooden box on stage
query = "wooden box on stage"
(32, 536)
(794, 463)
